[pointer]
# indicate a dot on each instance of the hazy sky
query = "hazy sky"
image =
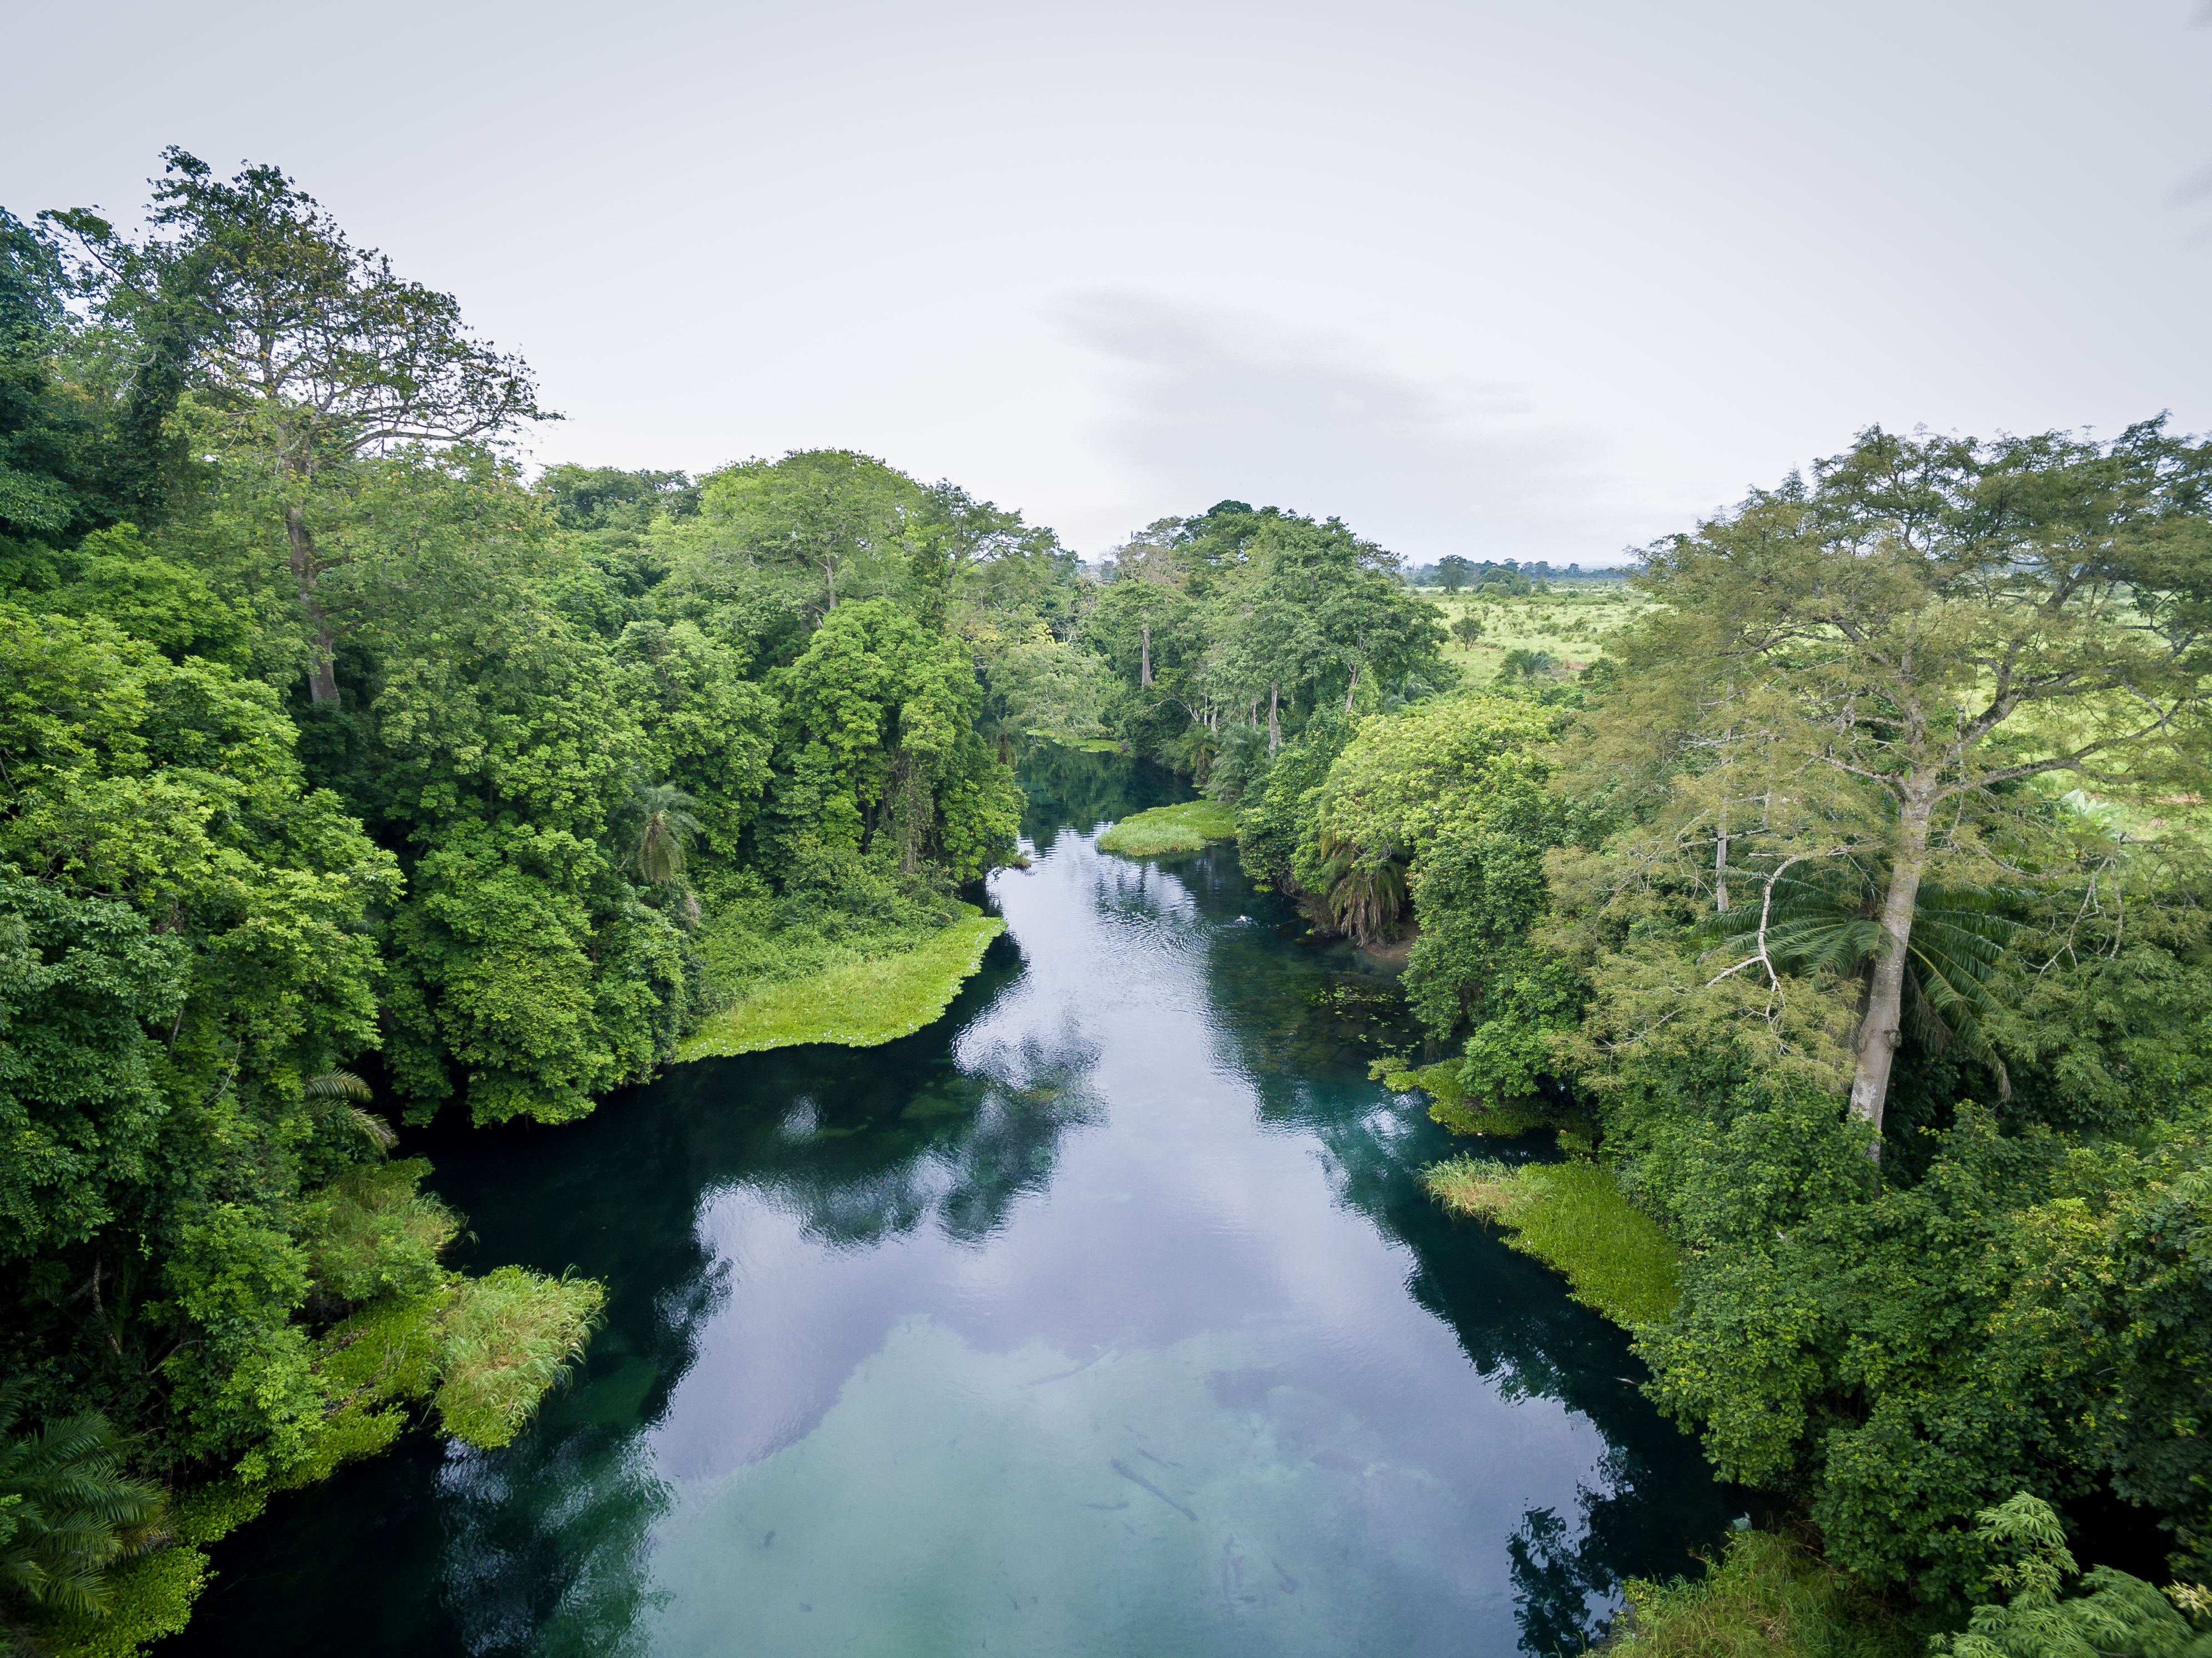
(1538, 280)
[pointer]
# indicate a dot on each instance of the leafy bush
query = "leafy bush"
(371, 1232)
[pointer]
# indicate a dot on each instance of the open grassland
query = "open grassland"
(1184, 828)
(855, 998)
(1569, 624)
(1573, 1217)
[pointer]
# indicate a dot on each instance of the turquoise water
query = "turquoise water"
(1102, 1317)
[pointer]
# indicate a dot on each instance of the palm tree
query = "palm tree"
(664, 832)
(342, 1095)
(67, 1512)
(1365, 897)
(1827, 918)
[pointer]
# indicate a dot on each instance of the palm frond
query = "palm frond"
(340, 1097)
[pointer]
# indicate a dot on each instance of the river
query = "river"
(1102, 1317)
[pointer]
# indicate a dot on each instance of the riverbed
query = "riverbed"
(1103, 1316)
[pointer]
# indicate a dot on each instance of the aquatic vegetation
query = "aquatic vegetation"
(1450, 1105)
(857, 999)
(1183, 827)
(508, 1337)
(1573, 1217)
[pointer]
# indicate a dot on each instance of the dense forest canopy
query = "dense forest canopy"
(1849, 914)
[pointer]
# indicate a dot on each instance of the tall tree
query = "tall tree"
(1875, 663)
(313, 351)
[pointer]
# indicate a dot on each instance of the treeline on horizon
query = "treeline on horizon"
(1851, 913)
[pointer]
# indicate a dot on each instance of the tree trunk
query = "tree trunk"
(1883, 1023)
(1720, 862)
(1352, 689)
(1145, 660)
(323, 678)
(829, 576)
(1274, 715)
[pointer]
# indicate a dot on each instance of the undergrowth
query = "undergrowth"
(1767, 1598)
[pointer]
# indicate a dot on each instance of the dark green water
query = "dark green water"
(1102, 1317)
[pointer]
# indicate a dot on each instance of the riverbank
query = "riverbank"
(857, 993)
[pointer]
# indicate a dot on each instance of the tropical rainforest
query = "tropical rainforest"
(1836, 900)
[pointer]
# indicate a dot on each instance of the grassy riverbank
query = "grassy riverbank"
(1183, 827)
(857, 993)
(1573, 1217)
(1765, 1598)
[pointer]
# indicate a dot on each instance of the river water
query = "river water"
(1104, 1316)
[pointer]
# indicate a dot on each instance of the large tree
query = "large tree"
(1879, 664)
(312, 352)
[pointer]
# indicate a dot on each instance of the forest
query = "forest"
(1834, 896)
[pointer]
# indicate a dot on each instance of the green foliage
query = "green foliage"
(2119, 1616)
(1162, 830)
(370, 1233)
(1254, 621)
(147, 1598)
(856, 994)
(1449, 1105)
(1765, 1598)
(326, 733)
(509, 1337)
(67, 1512)
(1574, 1217)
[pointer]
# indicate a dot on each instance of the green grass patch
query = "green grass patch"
(1573, 1217)
(1767, 1598)
(851, 994)
(1184, 828)
(1570, 625)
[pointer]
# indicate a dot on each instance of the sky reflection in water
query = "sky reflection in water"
(1102, 1317)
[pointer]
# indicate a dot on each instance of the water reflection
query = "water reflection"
(1105, 1316)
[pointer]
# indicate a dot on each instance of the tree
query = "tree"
(310, 352)
(666, 827)
(1467, 628)
(1879, 660)
(2119, 1616)
(1453, 572)
(68, 1512)
(824, 514)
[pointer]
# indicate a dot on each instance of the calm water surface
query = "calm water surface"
(1102, 1317)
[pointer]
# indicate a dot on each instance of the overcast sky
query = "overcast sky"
(1539, 280)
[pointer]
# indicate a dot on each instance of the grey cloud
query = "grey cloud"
(1211, 407)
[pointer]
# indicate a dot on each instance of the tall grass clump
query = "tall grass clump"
(1574, 1218)
(509, 1336)
(1767, 1597)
